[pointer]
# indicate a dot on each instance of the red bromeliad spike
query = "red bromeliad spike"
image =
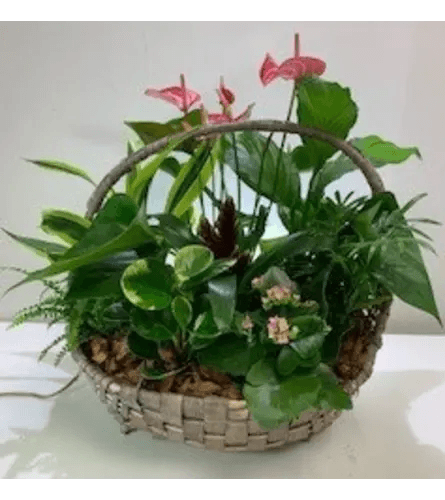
(181, 97)
(294, 68)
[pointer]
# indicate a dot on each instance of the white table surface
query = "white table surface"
(396, 429)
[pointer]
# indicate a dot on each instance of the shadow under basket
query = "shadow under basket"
(222, 424)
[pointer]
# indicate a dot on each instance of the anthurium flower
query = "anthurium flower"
(181, 97)
(226, 117)
(226, 96)
(295, 68)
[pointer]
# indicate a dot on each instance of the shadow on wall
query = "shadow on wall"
(81, 440)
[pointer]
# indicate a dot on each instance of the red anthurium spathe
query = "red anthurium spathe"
(226, 96)
(181, 97)
(294, 68)
(226, 99)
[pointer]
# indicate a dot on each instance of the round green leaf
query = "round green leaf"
(140, 347)
(145, 327)
(287, 361)
(146, 283)
(192, 260)
(182, 311)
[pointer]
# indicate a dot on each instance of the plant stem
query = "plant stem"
(260, 178)
(283, 140)
(238, 179)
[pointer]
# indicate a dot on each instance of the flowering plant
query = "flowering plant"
(198, 286)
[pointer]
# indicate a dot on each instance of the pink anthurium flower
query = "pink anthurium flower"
(226, 99)
(294, 68)
(180, 97)
(226, 96)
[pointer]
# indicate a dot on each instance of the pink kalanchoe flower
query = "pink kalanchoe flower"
(181, 97)
(278, 330)
(294, 68)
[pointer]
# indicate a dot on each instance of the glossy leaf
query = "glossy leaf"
(43, 248)
(182, 311)
(231, 354)
(177, 232)
(375, 149)
(147, 170)
(66, 225)
(147, 283)
(60, 166)
(144, 326)
(193, 178)
(149, 132)
(280, 182)
(100, 279)
(222, 297)
(117, 227)
(287, 361)
(192, 260)
(327, 106)
(217, 268)
(142, 348)
(205, 326)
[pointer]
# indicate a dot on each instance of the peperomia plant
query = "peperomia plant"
(187, 288)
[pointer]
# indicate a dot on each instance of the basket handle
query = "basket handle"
(369, 171)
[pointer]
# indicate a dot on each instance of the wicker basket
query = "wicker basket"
(214, 422)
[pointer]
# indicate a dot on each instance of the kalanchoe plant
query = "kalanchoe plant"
(185, 288)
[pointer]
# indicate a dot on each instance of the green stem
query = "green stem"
(283, 140)
(238, 179)
(260, 178)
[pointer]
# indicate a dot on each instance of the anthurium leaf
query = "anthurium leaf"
(117, 227)
(43, 248)
(192, 260)
(222, 297)
(280, 181)
(147, 170)
(63, 167)
(231, 354)
(182, 311)
(142, 348)
(326, 106)
(66, 225)
(378, 151)
(176, 231)
(193, 178)
(99, 279)
(147, 284)
(144, 326)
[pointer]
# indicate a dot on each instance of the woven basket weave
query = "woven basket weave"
(214, 422)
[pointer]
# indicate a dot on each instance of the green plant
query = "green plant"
(208, 288)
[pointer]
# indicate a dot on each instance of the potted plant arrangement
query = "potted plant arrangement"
(192, 325)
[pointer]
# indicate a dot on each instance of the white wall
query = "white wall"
(66, 88)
